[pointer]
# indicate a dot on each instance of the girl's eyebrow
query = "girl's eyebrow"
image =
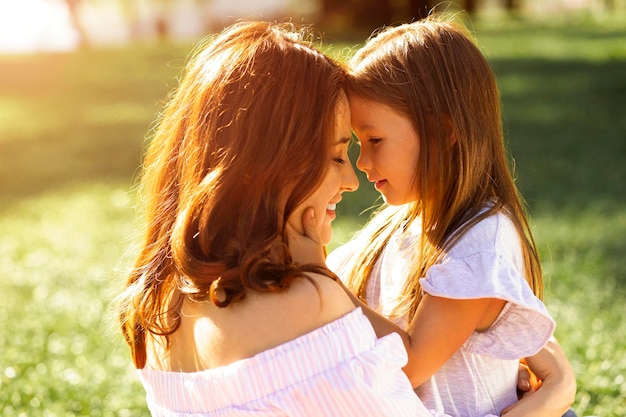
(365, 127)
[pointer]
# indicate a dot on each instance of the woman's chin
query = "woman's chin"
(327, 236)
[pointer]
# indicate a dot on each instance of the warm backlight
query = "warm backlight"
(35, 25)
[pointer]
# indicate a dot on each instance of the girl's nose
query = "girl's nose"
(362, 162)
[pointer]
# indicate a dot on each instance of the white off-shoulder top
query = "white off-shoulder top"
(340, 369)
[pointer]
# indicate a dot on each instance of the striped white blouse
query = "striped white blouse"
(340, 369)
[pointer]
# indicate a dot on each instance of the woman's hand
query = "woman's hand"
(558, 385)
(304, 242)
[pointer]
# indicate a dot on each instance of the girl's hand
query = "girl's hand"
(527, 381)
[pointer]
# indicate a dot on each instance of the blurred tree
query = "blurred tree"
(360, 14)
(512, 5)
(368, 14)
(419, 9)
(73, 7)
(373, 13)
(159, 24)
(470, 6)
(159, 16)
(164, 10)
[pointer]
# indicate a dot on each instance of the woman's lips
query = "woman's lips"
(330, 210)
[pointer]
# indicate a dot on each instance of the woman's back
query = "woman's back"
(261, 321)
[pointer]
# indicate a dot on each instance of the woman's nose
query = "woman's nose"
(350, 180)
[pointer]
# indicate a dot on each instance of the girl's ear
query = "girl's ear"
(444, 124)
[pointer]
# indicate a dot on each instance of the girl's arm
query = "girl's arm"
(438, 329)
(441, 326)
(558, 382)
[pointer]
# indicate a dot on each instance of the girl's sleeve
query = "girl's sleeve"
(524, 325)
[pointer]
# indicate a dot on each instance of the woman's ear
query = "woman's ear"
(449, 129)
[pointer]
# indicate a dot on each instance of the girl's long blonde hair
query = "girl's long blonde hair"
(432, 72)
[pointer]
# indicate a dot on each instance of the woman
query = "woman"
(223, 317)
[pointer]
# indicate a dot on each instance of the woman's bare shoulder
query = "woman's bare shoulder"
(209, 336)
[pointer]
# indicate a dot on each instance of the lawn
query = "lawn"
(71, 134)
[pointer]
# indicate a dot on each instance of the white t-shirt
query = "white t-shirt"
(481, 377)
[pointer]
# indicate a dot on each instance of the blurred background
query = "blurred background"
(82, 81)
(28, 26)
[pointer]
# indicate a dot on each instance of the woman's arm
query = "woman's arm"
(558, 386)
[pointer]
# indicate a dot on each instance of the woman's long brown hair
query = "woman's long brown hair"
(243, 140)
(432, 72)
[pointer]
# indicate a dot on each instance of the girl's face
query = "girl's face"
(339, 178)
(390, 148)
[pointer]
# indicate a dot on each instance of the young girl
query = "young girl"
(224, 316)
(451, 259)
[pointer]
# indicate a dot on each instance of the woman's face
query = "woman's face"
(340, 177)
(390, 149)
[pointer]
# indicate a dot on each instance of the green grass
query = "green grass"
(71, 135)
(563, 90)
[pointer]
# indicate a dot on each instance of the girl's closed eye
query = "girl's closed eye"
(339, 160)
(374, 141)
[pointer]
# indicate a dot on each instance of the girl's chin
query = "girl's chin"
(391, 201)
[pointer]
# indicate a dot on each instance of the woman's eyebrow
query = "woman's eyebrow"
(341, 141)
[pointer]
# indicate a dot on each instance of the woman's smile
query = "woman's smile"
(330, 210)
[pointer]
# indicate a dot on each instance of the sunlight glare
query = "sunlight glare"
(35, 26)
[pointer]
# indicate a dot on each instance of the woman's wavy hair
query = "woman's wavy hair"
(243, 140)
(432, 72)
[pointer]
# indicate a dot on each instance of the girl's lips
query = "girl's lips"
(380, 183)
